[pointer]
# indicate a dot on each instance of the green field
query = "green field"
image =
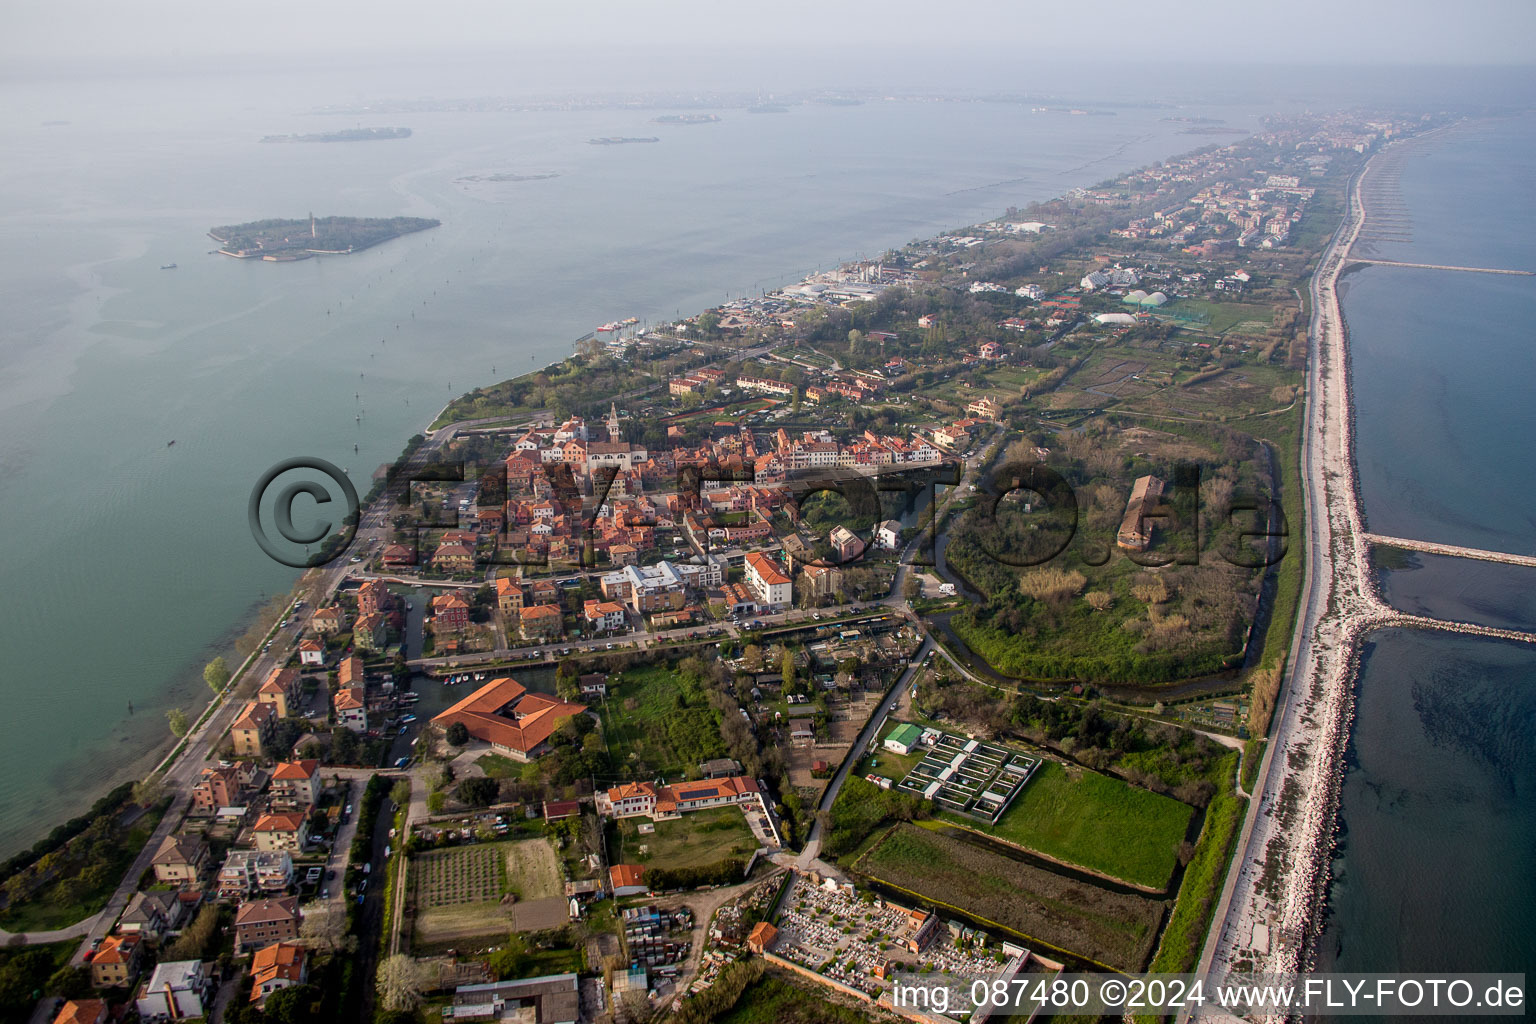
(1203, 879)
(1096, 822)
(1226, 315)
(1109, 928)
(694, 840)
(657, 722)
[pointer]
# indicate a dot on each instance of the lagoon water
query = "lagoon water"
(1437, 868)
(128, 563)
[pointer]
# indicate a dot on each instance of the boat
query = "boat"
(170, 442)
(167, 266)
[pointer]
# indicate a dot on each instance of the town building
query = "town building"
(246, 872)
(252, 729)
(542, 622)
(180, 860)
(663, 802)
(281, 689)
(176, 991)
(276, 966)
(548, 999)
(296, 785)
(1136, 528)
(903, 739)
(512, 719)
(770, 585)
(82, 1011)
(262, 922)
(116, 962)
(351, 708)
(282, 831)
(627, 880)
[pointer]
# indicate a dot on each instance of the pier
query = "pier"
(1429, 547)
(1441, 266)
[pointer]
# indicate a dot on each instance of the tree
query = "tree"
(787, 667)
(435, 803)
(216, 674)
(148, 791)
(480, 792)
(458, 734)
(752, 658)
(400, 793)
(401, 981)
(177, 719)
(296, 1004)
(324, 926)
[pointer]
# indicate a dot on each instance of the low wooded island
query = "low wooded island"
(286, 240)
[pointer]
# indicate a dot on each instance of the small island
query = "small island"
(501, 176)
(344, 135)
(282, 241)
(686, 119)
(621, 140)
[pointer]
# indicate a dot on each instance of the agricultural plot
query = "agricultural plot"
(969, 777)
(1099, 823)
(1117, 930)
(456, 894)
(486, 889)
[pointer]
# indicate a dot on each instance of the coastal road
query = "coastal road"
(1244, 920)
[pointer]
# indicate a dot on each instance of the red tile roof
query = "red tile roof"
(505, 713)
(622, 875)
(296, 770)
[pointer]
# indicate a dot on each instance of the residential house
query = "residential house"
(822, 581)
(351, 708)
(512, 719)
(177, 990)
(282, 831)
(371, 633)
(594, 684)
(603, 616)
(373, 598)
(116, 962)
(888, 535)
(801, 732)
(845, 543)
(180, 860)
(296, 785)
(450, 613)
(451, 556)
(262, 922)
(509, 595)
(277, 966)
(771, 586)
(151, 914)
(541, 622)
(311, 652)
(283, 690)
(399, 556)
(253, 728)
(349, 672)
(328, 621)
(82, 1011)
(984, 408)
(251, 871)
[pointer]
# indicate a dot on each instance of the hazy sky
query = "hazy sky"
(867, 38)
